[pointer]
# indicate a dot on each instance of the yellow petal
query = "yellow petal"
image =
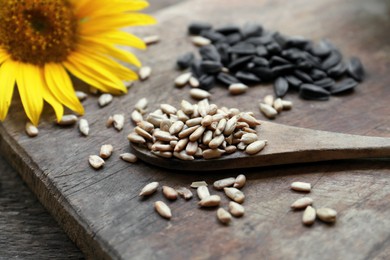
(117, 37)
(59, 83)
(49, 98)
(3, 56)
(8, 72)
(30, 90)
(87, 8)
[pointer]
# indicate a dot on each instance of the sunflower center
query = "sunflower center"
(37, 31)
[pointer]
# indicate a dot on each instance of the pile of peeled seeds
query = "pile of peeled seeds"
(230, 186)
(201, 130)
(237, 57)
(310, 214)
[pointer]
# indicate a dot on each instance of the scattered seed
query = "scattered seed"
(128, 157)
(136, 116)
(105, 99)
(268, 110)
(210, 201)
(67, 120)
(144, 73)
(302, 203)
(278, 105)
(84, 126)
(169, 193)
(135, 138)
(301, 186)
(185, 193)
(220, 184)
(237, 210)
(223, 216)
(163, 209)
(287, 105)
(185, 61)
(249, 138)
(355, 69)
(110, 121)
(255, 147)
(239, 181)
(197, 93)
(81, 95)
(141, 105)
(168, 109)
(194, 82)
(309, 215)
(203, 192)
(149, 189)
(234, 194)
(148, 127)
(118, 121)
(183, 79)
(237, 88)
(96, 161)
(200, 41)
(197, 184)
(151, 39)
(106, 151)
(327, 215)
(31, 129)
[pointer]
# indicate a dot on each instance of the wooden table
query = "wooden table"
(101, 212)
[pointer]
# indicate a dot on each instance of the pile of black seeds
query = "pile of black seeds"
(252, 55)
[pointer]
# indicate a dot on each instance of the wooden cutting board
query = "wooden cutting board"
(101, 210)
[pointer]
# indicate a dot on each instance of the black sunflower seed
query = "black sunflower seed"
(297, 41)
(317, 74)
(355, 69)
(273, 47)
(333, 59)
(223, 50)
(213, 36)
(197, 27)
(260, 62)
(293, 54)
(196, 70)
(227, 79)
(264, 74)
(263, 40)
(293, 82)
(280, 87)
(229, 29)
(206, 82)
(184, 61)
(326, 83)
(280, 39)
(304, 65)
(276, 60)
(313, 92)
(283, 69)
(337, 71)
(251, 30)
(239, 63)
(303, 76)
(210, 67)
(321, 49)
(247, 77)
(209, 52)
(343, 86)
(261, 51)
(315, 61)
(243, 48)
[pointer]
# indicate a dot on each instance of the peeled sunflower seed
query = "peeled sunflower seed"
(309, 215)
(199, 94)
(149, 189)
(136, 116)
(240, 181)
(106, 151)
(128, 157)
(278, 105)
(236, 209)
(212, 153)
(220, 184)
(287, 105)
(302, 203)
(269, 100)
(223, 216)
(210, 201)
(200, 41)
(169, 193)
(301, 186)
(203, 192)
(31, 130)
(67, 120)
(197, 184)
(84, 126)
(163, 209)
(105, 99)
(185, 193)
(327, 215)
(135, 138)
(234, 194)
(81, 95)
(249, 138)
(118, 121)
(183, 79)
(267, 110)
(144, 72)
(151, 39)
(255, 147)
(141, 105)
(194, 82)
(96, 161)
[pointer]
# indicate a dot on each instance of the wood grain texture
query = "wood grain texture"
(101, 212)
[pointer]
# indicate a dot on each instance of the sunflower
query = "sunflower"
(43, 42)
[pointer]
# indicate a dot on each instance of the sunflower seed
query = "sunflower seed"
(227, 79)
(326, 83)
(216, 141)
(269, 111)
(67, 120)
(234, 194)
(333, 59)
(118, 121)
(128, 157)
(197, 134)
(197, 184)
(199, 93)
(287, 105)
(355, 69)
(212, 153)
(151, 39)
(187, 107)
(106, 151)
(278, 105)
(200, 41)
(309, 215)
(191, 148)
(250, 120)
(210, 67)
(146, 126)
(249, 138)
(141, 105)
(280, 87)
(188, 131)
(162, 147)
(164, 136)
(181, 144)
(237, 88)
(105, 99)
(337, 71)
(169, 193)
(168, 109)
(302, 203)
(209, 52)
(309, 91)
(185, 193)
(96, 161)
(149, 189)
(183, 156)
(255, 147)
(197, 27)
(110, 121)
(93, 91)
(269, 100)
(327, 215)
(210, 201)
(240, 181)
(136, 116)
(194, 82)
(144, 73)
(343, 86)
(135, 138)
(301, 186)
(163, 210)
(81, 95)
(303, 76)
(185, 60)
(220, 184)
(183, 79)
(223, 216)
(203, 192)
(32, 130)
(163, 154)
(143, 133)
(236, 209)
(176, 127)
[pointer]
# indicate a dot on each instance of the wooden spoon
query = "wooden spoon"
(286, 145)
